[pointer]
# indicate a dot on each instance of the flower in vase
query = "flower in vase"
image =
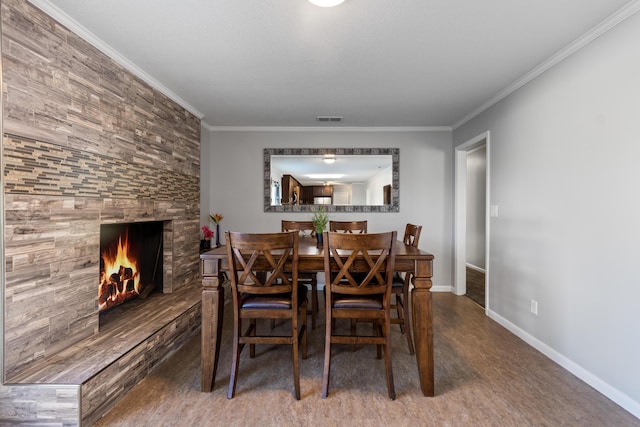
(208, 233)
(216, 218)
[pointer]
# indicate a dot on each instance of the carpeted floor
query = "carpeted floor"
(476, 286)
(484, 376)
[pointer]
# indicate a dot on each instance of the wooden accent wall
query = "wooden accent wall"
(85, 142)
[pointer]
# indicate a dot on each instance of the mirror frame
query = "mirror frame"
(395, 178)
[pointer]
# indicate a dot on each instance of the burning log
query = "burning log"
(105, 293)
(116, 282)
(117, 288)
(127, 276)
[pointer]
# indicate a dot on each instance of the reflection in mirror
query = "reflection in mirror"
(341, 179)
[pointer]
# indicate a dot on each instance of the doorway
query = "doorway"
(471, 219)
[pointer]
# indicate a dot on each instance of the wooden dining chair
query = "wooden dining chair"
(348, 226)
(264, 284)
(360, 268)
(400, 289)
(306, 228)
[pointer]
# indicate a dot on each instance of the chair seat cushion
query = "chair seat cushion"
(361, 302)
(398, 282)
(270, 302)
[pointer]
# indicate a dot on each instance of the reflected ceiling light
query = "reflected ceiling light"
(325, 176)
(326, 3)
(329, 158)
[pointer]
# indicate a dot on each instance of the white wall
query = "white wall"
(375, 186)
(564, 172)
(476, 206)
(342, 194)
(234, 163)
(358, 194)
(205, 178)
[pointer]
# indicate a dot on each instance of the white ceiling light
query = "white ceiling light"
(326, 3)
(324, 176)
(329, 158)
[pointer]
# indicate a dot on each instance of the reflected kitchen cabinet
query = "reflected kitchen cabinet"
(291, 190)
(322, 190)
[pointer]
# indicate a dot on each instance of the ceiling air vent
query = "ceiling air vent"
(329, 119)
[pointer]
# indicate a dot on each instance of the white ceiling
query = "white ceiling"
(351, 169)
(377, 63)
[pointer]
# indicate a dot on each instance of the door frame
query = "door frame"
(460, 216)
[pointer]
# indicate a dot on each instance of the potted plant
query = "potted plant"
(320, 221)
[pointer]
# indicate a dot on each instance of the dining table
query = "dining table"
(409, 259)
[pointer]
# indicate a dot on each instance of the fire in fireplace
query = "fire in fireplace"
(130, 262)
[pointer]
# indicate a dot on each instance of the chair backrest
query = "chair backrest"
(348, 226)
(302, 227)
(412, 235)
(359, 263)
(263, 263)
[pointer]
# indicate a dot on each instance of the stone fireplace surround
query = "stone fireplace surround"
(96, 363)
(52, 253)
(85, 142)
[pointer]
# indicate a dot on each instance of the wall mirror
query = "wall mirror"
(340, 179)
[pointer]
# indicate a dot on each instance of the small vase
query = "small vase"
(205, 244)
(319, 239)
(217, 235)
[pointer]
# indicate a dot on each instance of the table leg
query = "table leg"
(422, 312)
(212, 314)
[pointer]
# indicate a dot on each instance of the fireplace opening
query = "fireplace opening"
(130, 262)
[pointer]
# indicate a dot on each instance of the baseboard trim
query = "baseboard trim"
(442, 288)
(601, 386)
(433, 288)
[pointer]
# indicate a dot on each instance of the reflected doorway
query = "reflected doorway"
(386, 194)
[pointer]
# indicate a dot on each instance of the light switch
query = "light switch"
(494, 211)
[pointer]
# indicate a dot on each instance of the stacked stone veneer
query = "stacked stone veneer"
(85, 142)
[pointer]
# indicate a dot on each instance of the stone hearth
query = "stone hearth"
(99, 371)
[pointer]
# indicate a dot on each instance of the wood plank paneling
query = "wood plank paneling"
(59, 89)
(33, 405)
(84, 142)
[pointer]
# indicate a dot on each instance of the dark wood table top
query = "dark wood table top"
(307, 249)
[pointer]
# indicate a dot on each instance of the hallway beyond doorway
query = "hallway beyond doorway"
(476, 286)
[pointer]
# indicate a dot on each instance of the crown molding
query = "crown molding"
(326, 129)
(625, 12)
(71, 24)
